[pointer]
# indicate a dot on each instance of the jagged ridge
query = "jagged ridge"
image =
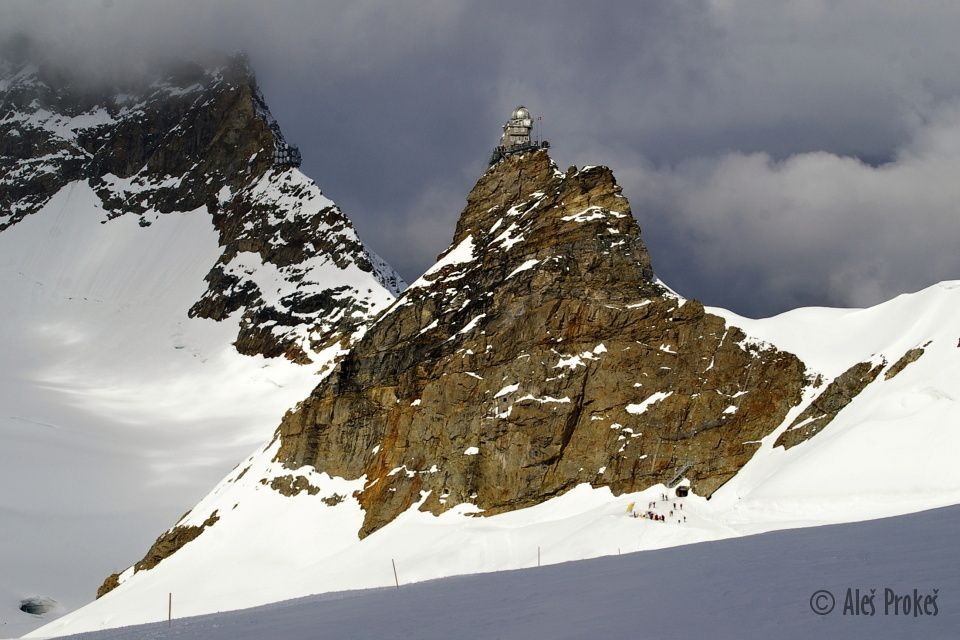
(198, 137)
(540, 353)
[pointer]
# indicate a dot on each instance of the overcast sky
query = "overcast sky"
(775, 153)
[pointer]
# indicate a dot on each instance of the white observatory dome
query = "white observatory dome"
(521, 113)
(516, 136)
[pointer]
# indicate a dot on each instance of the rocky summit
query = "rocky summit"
(540, 352)
(196, 137)
(539, 355)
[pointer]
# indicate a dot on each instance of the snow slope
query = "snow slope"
(116, 409)
(753, 587)
(892, 450)
(888, 452)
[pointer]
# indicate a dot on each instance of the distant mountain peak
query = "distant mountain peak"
(198, 136)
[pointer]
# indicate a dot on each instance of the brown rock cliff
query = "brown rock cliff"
(538, 354)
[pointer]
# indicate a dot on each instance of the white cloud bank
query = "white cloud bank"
(818, 224)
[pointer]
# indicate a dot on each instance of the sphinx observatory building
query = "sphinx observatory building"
(516, 136)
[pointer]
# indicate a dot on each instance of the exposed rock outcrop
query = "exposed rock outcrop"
(290, 485)
(911, 356)
(829, 403)
(539, 353)
(109, 583)
(164, 546)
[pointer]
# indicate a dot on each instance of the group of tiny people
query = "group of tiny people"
(652, 512)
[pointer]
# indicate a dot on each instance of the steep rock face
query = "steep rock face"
(167, 145)
(540, 353)
(197, 136)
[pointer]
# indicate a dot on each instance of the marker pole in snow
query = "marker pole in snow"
(169, 608)
(538, 556)
(395, 578)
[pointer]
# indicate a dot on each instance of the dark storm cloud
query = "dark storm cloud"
(776, 153)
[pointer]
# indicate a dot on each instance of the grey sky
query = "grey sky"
(725, 120)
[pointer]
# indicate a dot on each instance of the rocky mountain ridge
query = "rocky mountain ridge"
(198, 137)
(539, 354)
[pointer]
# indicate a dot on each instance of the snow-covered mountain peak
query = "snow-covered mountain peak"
(199, 137)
